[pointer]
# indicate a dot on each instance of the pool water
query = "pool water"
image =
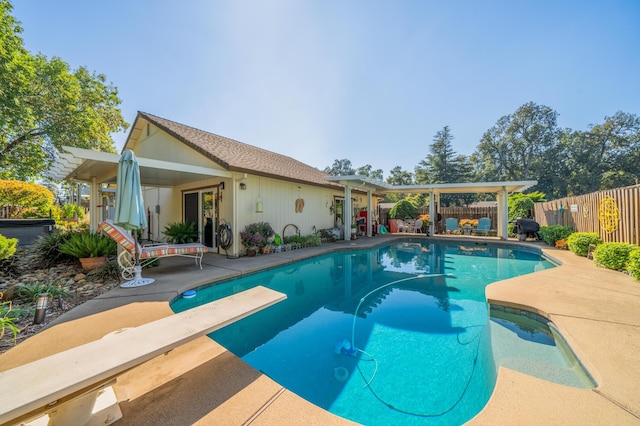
(397, 334)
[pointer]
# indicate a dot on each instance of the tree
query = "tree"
(340, 168)
(398, 177)
(45, 105)
(442, 164)
(367, 171)
(403, 209)
(513, 148)
(605, 157)
(25, 199)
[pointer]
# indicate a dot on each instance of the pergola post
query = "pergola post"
(432, 214)
(94, 211)
(503, 213)
(348, 213)
(369, 213)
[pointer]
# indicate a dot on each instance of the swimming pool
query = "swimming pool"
(394, 334)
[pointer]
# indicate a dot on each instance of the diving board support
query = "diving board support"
(52, 384)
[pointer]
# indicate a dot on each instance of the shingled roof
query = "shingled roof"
(237, 156)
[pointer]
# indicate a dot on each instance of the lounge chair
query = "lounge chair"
(484, 226)
(147, 253)
(451, 225)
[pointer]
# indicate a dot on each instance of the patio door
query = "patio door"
(201, 208)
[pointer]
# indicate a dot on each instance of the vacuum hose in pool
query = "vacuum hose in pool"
(349, 348)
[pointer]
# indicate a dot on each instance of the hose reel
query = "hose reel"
(224, 236)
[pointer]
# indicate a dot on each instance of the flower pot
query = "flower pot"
(91, 263)
(251, 252)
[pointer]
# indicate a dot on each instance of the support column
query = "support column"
(348, 213)
(369, 213)
(432, 214)
(94, 211)
(503, 214)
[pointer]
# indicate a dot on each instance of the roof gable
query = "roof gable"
(238, 156)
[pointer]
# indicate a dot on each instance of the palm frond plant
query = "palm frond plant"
(181, 232)
(88, 244)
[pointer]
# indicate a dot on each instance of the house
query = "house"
(189, 174)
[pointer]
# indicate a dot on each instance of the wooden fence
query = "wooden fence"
(613, 214)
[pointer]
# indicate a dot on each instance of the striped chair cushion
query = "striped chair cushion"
(158, 251)
(174, 249)
(121, 237)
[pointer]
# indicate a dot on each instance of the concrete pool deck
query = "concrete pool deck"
(596, 310)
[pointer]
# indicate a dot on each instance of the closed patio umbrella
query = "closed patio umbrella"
(129, 209)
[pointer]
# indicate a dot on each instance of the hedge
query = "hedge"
(579, 242)
(613, 255)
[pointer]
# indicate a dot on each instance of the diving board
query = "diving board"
(46, 384)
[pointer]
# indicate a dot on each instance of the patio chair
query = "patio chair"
(395, 226)
(451, 225)
(484, 226)
(148, 253)
(416, 227)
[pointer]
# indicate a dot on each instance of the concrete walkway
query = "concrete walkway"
(596, 310)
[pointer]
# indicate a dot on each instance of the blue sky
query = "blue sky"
(370, 81)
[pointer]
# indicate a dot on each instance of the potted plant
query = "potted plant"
(255, 236)
(467, 225)
(181, 232)
(90, 247)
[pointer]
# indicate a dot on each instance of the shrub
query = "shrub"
(111, 270)
(7, 319)
(309, 240)
(613, 255)
(579, 242)
(553, 233)
(181, 232)
(520, 207)
(88, 244)
(70, 211)
(403, 209)
(30, 292)
(47, 249)
(562, 245)
(256, 235)
(633, 265)
(72, 226)
(7, 247)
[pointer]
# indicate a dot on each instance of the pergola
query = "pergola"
(96, 168)
(371, 186)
